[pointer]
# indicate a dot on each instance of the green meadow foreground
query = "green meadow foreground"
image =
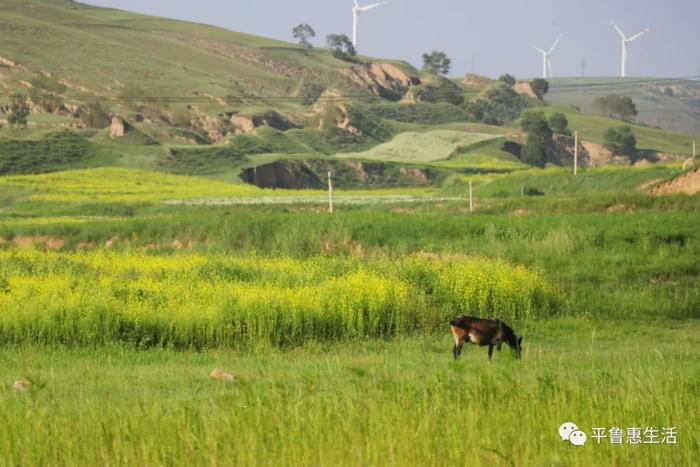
(372, 403)
(116, 306)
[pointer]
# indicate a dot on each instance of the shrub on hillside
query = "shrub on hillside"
(19, 109)
(303, 33)
(442, 90)
(500, 104)
(437, 63)
(613, 106)
(620, 140)
(507, 79)
(559, 123)
(540, 87)
(342, 47)
(539, 139)
(531, 120)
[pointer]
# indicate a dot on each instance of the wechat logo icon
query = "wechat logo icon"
(569, 432)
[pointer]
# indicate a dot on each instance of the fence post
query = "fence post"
(575, 153)
(471, 198)
(330, 193)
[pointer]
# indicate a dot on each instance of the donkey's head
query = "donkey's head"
(515, 342)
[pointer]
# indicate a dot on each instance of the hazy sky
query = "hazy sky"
(489, 37)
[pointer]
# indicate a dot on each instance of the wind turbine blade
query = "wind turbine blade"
(637, 36)
(540, 50)
(371, 7)
(618, 30)
(356, 3)
(555, 44)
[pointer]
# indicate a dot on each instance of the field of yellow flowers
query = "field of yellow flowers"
(188, 300)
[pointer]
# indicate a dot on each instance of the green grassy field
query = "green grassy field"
(674, 112)
(165, 57)
(403, 402)
(422, 147)
(592, 128)
(116, 306)
(561, 182)
(487, 155)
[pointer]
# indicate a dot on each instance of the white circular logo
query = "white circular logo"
(566, 429)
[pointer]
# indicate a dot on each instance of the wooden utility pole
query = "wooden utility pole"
(330, 193)
(575, 153)
(471, 198)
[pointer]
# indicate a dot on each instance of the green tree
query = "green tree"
(613, 106)
(442, 90)
(303, 33)
(508, 79)
(531, 120)
(559, 123)
(539, 139)
(620, 140)
(19, 109)
(342, 47)
(534, 152)
(540, 87)
(499, 104)
(437, 63)
(475, 111)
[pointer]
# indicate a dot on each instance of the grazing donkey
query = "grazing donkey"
(481, 332)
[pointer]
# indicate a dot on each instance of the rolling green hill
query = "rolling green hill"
(669, 104)
(593, 127)
(163, 57)
(193, 99)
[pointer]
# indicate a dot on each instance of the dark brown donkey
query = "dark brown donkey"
(481, 332)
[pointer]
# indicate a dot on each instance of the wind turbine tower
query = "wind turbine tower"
(356, 10)
(625, 44)
(547, 58)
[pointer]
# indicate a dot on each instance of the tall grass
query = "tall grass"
(403, 402)
(188, 300)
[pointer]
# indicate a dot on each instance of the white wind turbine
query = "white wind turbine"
(625, 43)
(356, 10)
(546, 58)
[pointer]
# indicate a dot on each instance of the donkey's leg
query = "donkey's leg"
(459, 335)
(458, 350)
(490, 350)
